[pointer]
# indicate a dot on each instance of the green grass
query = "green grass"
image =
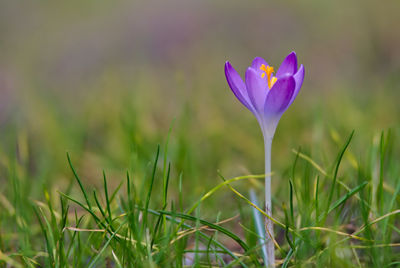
(123, 201)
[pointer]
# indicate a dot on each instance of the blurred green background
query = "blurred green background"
(106, 80)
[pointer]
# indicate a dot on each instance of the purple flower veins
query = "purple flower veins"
(267, 95)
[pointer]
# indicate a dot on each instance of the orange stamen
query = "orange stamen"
(268, 70)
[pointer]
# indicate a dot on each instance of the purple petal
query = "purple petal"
(257, 63)
(256, 88)
(288, 66)
(279, 96)
(299, 78)
(237, 85)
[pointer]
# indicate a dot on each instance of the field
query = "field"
(121, 144)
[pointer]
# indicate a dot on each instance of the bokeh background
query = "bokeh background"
(106, 80)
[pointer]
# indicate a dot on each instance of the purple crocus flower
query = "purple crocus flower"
(267, 96)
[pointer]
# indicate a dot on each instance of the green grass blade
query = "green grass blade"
(291, 201)
(106, 196)
(333, 185)
(153, 175)
(79, 181)
(347, 196)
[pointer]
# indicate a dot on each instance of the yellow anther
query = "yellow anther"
(273, 81)
(268, 70)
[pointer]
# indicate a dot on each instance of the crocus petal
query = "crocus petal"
(279, 97)
(299, 78)
(256, 88)
(237, 86)
(257, 62)
(288, 66)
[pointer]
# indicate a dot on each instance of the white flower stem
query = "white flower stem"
(269, 228)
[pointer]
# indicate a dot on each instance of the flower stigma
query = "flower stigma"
(268, 70)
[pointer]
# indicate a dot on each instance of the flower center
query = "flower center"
(268, 70)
